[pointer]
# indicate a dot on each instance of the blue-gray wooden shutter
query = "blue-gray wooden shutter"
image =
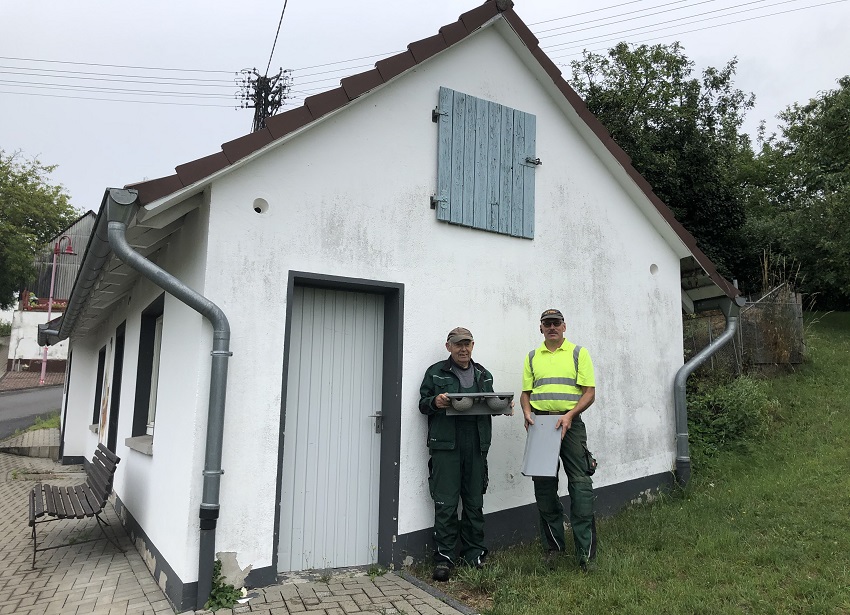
(484, 179)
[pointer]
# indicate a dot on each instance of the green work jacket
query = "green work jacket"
(439, 378)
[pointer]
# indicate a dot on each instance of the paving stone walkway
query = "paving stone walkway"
(15, 381)
(96, 578)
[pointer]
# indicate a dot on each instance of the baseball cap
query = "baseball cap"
(551, 314)
(458, 334)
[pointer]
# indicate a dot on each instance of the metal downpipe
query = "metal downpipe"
(120, 211)
(730, 309)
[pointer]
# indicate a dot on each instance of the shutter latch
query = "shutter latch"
(435, 200)
(436, 113)
(534, 161)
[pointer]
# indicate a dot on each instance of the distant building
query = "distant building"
(31, 311)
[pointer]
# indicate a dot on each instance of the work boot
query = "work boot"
(442, 572)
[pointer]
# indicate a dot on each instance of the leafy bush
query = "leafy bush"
(721, 415)
(5, 328)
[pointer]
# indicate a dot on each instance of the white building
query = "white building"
(316, 239)
(31, 310)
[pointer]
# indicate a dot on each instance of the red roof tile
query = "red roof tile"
(427, 47)
(358, 84)
(154, 189)
(198, 169)
(282, 124)
(248, 144)
(324, 103)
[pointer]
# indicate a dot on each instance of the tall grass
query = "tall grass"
(760, 529)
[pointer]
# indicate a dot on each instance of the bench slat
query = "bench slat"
(58, 505)
(38, 501)
(95, 503)
(75, 502)
(84, 501)
(66, 503)
(98, 479)
(108, 454)
(104, 461)
(48, 500)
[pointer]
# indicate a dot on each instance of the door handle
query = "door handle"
(379, 421)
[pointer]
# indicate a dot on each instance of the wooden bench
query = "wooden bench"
(77, 501)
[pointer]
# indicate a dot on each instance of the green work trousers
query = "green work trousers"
(459, 475)
(580, 488)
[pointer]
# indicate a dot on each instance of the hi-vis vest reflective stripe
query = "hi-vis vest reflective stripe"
(554, 396)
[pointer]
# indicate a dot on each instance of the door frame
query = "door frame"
(388, 484)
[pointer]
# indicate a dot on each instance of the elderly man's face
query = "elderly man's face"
(553, 329)
(461, 352)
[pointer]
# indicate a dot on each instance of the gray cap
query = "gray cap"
(459, 334)
(551, 314)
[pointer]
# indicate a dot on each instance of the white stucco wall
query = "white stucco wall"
(23, 342)
(157, 489)
(350, 197)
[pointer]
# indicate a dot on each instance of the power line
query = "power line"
(655, 38)
(71, 87)
(285, 2)
(670, 21)
(537, 23)
(185, 70)
(43, 76)
(374, 55)
(582, 23)
(82, 72)
(147, 102)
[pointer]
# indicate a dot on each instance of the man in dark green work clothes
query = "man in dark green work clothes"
(458, 464)
(558, 379)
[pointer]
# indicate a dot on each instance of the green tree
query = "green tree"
(682, 133)
(800, 193)
(32, 211)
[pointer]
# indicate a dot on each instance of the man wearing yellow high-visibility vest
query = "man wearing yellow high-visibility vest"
(558, 379)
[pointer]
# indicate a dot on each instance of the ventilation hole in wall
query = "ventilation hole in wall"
(653, 269)
(261, 206)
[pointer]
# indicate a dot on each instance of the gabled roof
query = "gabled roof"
(352, 87)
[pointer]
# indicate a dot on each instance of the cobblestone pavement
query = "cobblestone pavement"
(35, 443)
(13, 381)
(96, 578)
(86, 578)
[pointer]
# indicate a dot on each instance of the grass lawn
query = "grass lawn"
(761, 530)
(46, 421)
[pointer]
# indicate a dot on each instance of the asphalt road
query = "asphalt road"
(18, 409)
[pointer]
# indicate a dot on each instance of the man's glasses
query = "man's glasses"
(552, 323)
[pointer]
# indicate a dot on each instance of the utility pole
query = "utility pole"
(265, 94)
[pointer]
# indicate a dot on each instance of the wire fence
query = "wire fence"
(769, 336)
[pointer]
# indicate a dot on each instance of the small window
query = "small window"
(147, 377)
(157, 344)
(486, 163)
(98, 387)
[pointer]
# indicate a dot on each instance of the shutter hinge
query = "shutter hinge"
(436, 113)
(435, 200)
(534, 161)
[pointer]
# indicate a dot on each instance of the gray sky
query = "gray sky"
(783, 58)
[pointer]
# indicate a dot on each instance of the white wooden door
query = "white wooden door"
(331, 451)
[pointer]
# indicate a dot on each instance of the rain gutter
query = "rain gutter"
(121, 207)
(731, 308)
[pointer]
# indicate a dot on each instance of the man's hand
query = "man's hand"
(564, 423)
(529, 419)
(442, 401)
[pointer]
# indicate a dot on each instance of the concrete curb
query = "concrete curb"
(436, 593)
